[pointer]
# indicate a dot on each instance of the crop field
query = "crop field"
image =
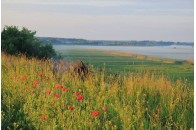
(123, 63)
(35, 98)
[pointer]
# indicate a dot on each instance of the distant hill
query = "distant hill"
(73, 41)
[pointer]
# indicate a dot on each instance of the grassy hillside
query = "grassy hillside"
(34, 98)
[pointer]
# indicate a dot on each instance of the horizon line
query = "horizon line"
(113, 40)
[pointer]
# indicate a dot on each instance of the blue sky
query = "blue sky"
(168, 20)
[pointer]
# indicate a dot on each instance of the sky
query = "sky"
(166, 20)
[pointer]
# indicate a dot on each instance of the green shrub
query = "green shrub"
(15, 41)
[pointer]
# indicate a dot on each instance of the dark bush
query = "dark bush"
(15, 41)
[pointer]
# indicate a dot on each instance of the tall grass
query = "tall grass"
(136, 101)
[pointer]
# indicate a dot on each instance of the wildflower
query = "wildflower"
(43, 117)
(36, 82)
(80, 97)
(23, 78)
(76, 92)
(26, 87)
(64, 90)
(105, 108)
(57, 95)
(33, 87)
(95, 113)
(40, 74)
(70, 107)
(48, 91)
(58, 86)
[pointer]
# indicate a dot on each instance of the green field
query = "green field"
(116, 63)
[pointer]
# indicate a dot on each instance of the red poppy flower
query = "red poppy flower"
(57, 95)
(26, 87)
(105, 108)
(33, 87)
(64, 90)
(76, 92)
(80, 97)
(23, 78)
(70, 107)
(61, 86)
(95, 113)
(48, 91)
(36, 82)
(40, 74)
(58, 86)
(43, 117)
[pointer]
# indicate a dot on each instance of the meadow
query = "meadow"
(124, 63)
(146, 94)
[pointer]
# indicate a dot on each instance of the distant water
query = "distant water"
(171, 52)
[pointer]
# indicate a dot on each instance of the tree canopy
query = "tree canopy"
(15, 41)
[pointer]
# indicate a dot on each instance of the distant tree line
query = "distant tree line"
(73, 41)
(15, 41)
